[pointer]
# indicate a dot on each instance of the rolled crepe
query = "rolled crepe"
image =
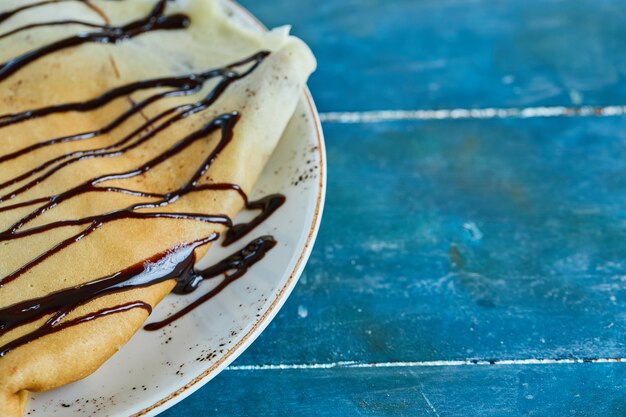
(45, 254)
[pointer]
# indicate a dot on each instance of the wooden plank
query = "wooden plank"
(558, 390)
(499, 239)
(379, 54)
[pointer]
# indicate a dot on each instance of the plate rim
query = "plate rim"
(281, 296)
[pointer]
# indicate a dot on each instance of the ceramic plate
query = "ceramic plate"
(155, 370)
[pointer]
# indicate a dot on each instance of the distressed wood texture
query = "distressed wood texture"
(557, 390)
(451, 241)
(377, 54)
(448, 240)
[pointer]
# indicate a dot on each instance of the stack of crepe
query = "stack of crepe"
(53, 259)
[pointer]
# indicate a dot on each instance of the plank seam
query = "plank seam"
(482, 113)
(416, 364)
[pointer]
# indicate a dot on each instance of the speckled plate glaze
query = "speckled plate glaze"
(155, 370)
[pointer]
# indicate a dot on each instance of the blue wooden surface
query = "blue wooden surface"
(377, 54)
(499, 239)
(558, 390)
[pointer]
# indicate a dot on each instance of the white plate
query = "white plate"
(155, 370)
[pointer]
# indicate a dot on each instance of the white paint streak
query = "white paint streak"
(576, 97)
(485, 113)
(430, 404)
(292, 366)
(381, 246)
(354, 364)
(475, 233)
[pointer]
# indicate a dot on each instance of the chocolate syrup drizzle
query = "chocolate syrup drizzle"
(6, 15)
(176, 263)
(268, 205)
(183, 85)
(239, 263)
(154, 21)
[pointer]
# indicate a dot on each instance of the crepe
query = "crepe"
(75, 239)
